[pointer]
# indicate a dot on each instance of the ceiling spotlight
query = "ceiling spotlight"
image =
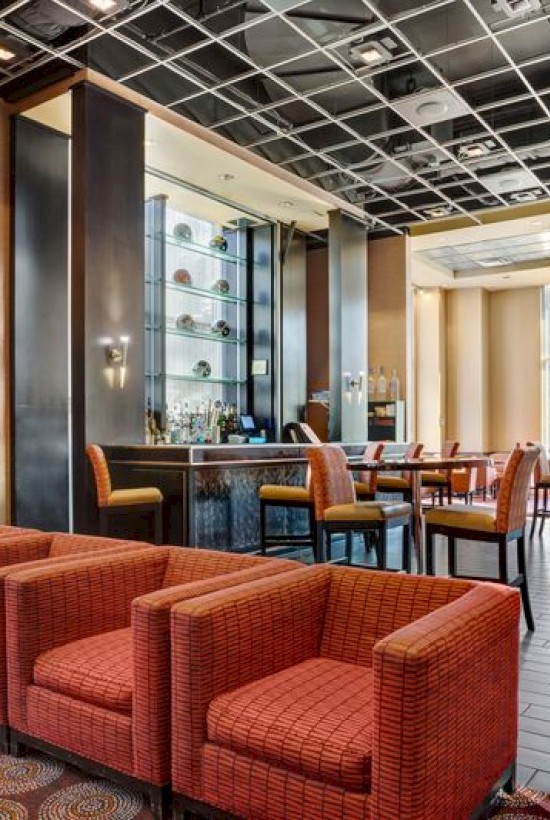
(285, 203)
(511, 8)
(372, 52)
(226, 177)
(495, 262)
(438, 211)
(525, 196)
(473, 150)
(6, 54)
(103, 5)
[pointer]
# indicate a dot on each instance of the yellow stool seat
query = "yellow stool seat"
(392, 482)
(367, 511)
(472, 517)
(278, 492)
(431, 477)
(362, 489)
(139, 495)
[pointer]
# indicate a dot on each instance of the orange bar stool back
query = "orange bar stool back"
(135, 500)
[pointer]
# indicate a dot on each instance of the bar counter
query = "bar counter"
(211, 491)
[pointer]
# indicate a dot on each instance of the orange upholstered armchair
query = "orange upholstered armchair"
(37, 549)
(89, 655)
(367, 695)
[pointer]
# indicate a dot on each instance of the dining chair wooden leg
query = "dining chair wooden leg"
(524, 589)
(544, 510)
(429, 550)
(451, 551)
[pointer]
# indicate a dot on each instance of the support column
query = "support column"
(5, 311)
(347, 328)
(108, 270)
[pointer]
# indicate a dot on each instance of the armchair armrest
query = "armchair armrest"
(446, 689)
(54, 605)
(151, 642)
(232, 637)
(17, 549)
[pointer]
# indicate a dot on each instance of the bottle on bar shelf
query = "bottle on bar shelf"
(382, 385)
(394, 385)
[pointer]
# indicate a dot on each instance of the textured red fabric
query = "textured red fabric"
(81, 600)
(94, 733)
(252, 789)
(444, 659)
(151, 642)
(314, 718)
(98, 670)
(17, 549)
(366, 606)
(64, 543)
(230, 638)
(446, 689)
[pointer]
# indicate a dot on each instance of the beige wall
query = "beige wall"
(467, 405)
(430, 353)
(4, 310)
(390, 311)
(515, 371)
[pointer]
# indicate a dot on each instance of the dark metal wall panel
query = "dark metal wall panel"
(348, 326)
(293, 333)
(40, 432)
(108, 264)
(260, 397)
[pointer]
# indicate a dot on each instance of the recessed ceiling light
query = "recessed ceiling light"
(226, 177)
(473, 150)
(438, 211)
(285, 203)
(6, 54)
(103, 5)
(513, 7)
(372, 53)
(525, 196)
(495, 262)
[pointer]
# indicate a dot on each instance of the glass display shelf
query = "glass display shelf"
(205, 335)
(193, 247)
(204, 379)
(210, 294)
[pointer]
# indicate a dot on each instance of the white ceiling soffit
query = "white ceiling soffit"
(286, 80)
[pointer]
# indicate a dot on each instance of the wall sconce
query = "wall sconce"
(116, 355)
(352, 385)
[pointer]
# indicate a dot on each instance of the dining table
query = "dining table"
(416, 466)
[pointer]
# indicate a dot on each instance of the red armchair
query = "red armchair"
(37, 549)
(89, 655)
(339, 693)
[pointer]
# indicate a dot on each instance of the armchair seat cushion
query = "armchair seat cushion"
(314, 718)
(97, 670)
(368, 511)
(138, 495)
(278, 492)
(471, 517)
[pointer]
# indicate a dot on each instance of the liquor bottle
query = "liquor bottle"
(371, 384)
(382, 385)
(394, 385)
(185, 425)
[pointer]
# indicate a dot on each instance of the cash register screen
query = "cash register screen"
(248, 425)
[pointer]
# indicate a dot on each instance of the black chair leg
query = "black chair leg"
(263, 546)
(527, 611)
(451, 548)
(103, 522)
(535, 511)
(545, 510)
(503, 560)
(382, 547)
(313, 533)
(157, 523)
(429, 550)
(349, 546)
(406, 548)
(321, 542)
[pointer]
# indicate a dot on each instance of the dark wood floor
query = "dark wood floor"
(534, 699)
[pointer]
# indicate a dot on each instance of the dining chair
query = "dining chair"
(501, 525)
(401, 484)
(439, 481)
(365, 486)
(136, 500)
(338, 511)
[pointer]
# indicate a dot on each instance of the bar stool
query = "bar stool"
(147, 500)
(337, 511)
(400, 484)
(291, 497)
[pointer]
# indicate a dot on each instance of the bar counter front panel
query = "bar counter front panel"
(211, 491)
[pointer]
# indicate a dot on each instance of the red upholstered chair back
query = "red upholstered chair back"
(63, 543)
(541, 466)
(364, 607)
(449, 450)
(187, 565)
(372, 452)
(101, 473)
(413, 450)
(331, 481)
(514, 489)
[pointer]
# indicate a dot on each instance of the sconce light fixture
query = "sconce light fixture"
(354, 385)
(116, 355)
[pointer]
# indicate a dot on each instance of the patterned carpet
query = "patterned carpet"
(37, 787)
